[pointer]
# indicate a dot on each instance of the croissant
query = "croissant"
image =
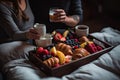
(83, 39)
(80, 52)
(66, 49)
(51, 61)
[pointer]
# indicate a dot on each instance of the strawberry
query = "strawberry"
(39, 50)
(45, 51)
(58, 36)
(75, 47)
(99, 48)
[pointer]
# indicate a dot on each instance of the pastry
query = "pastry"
(51, 61)
(66, 49)
(83, 39)
(79, 53)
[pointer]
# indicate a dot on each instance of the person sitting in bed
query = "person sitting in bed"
(15, 28)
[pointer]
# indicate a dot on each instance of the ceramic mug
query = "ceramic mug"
(81, 30)
(40, 28)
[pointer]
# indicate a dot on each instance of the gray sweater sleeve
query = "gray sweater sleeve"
(9, 24)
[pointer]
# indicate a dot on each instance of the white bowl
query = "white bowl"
(44, 41)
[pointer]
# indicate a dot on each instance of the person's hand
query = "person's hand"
(32, 34)
(60, 15)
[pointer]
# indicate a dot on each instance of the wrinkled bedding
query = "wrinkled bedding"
(107, 67)
(109, 35)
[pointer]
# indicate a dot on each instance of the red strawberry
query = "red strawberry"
(75, 47)
(45, 51)
(99, 48)
(58, 36)
(39, 50)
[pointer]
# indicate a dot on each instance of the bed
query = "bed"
(106, 67)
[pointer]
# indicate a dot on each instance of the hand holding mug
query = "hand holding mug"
(40, 28)
(38, 31)
(32, 34)
(57, 15)
(61, 15)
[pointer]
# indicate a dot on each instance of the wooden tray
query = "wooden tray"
(69, 67)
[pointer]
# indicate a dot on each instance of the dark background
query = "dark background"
(101, 13)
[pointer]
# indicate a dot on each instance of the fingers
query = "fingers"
(60, 15)
(33, 31)
(32, 34)
(60, 12)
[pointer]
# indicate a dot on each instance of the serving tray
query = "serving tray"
(73, 65)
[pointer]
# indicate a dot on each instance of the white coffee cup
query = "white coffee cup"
(40, 28)
(82, 30)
